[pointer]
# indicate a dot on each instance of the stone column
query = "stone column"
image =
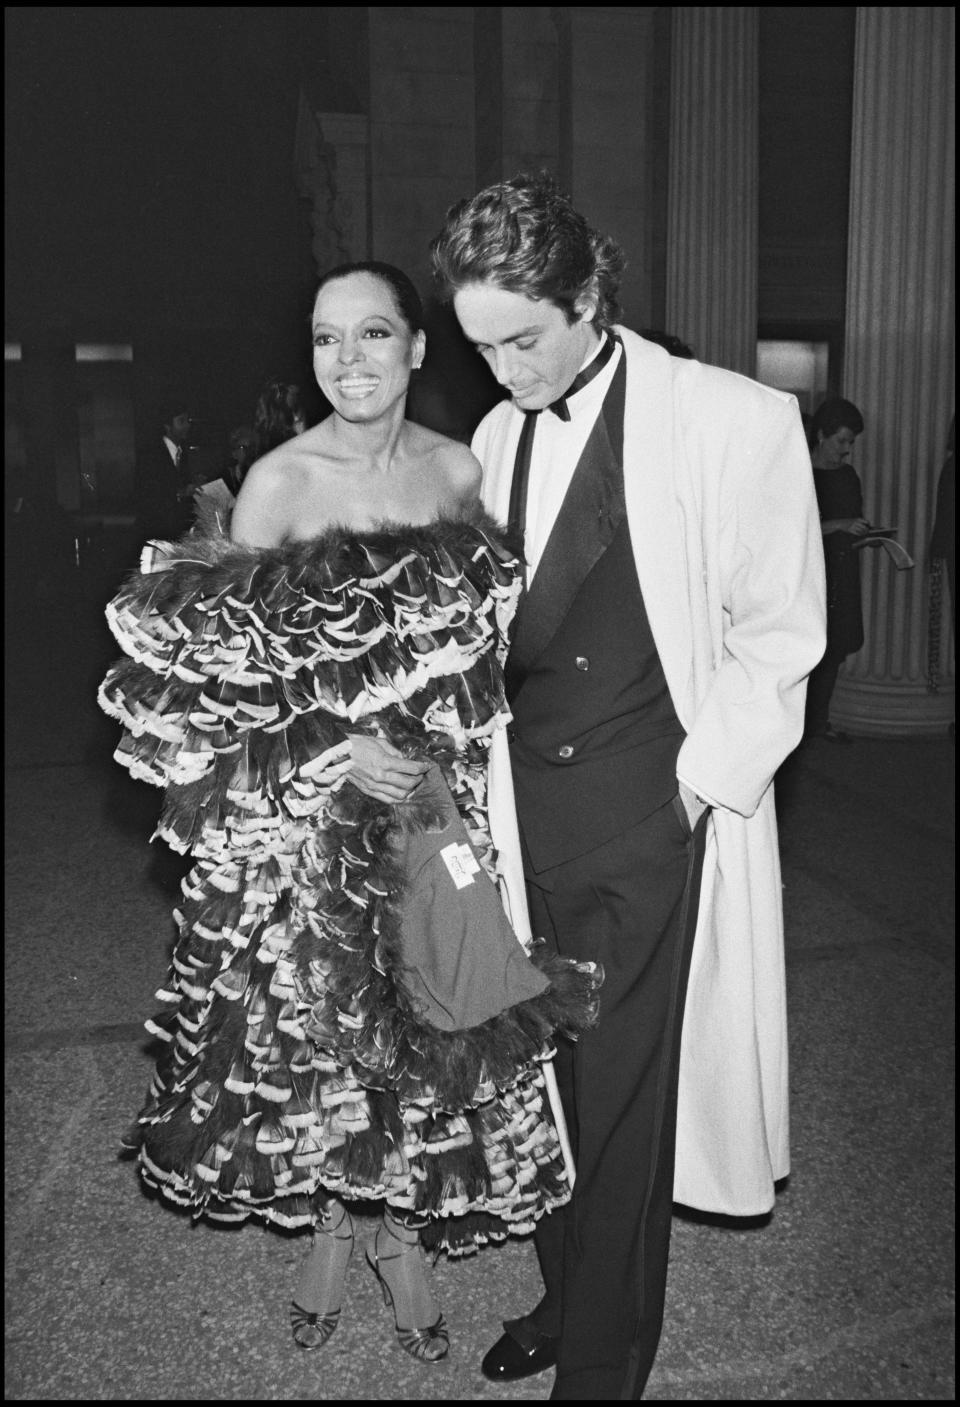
(422, 147)
(611, 159)
(331, 164)
(521, 53)
(712, 201)
(899, 354)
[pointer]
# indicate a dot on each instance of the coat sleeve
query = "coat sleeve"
(764, 571)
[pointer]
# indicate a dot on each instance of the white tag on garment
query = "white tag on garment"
(461, 863)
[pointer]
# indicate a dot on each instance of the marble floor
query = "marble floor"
(845, 1293)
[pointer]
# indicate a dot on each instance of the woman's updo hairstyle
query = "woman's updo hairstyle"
(405, 296)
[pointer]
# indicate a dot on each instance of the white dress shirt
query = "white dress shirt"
(557, 447)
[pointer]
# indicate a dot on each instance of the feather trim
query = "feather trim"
(295, 1061)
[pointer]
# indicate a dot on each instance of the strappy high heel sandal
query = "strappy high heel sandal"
(401, 1261)
(322, 1277)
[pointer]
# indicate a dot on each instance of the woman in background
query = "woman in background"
(279, 416)
(833, 430)
(214, 500)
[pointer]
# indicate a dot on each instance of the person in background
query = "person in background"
(279, 415)
(833, 431)
(242, 442)
(214, 500)
(643, 746)
(943, 552)
(943, 540)
(668, 342)
(165, 478)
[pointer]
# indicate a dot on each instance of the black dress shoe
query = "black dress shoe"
(519, 1353)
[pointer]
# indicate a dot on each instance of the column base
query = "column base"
(884, 708)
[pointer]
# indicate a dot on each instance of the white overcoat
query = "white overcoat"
(726, 537)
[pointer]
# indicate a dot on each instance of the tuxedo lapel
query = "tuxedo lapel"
(589, 516)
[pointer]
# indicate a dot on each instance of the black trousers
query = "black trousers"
(631, 905)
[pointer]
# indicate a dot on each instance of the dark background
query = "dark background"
(150, 193)
(151, 200)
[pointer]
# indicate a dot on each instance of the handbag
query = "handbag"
(462, 962)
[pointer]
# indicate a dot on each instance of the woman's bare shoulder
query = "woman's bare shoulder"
(267, 506)
(455, 460)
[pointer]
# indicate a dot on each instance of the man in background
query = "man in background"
(166, 478)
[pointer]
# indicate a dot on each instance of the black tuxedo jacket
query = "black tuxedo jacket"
(163, 509)
(595, 735)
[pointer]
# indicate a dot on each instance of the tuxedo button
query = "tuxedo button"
(565, 751)
(583, 663)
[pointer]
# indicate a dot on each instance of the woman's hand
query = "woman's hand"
(380, 770)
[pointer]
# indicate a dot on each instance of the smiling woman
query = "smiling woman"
(350, 1015)
(364, 344)
(366, 463)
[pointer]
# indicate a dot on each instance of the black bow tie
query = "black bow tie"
(559, 406)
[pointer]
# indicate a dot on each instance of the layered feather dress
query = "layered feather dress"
(347, 1010)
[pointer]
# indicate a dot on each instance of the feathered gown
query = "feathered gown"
(347, 1009)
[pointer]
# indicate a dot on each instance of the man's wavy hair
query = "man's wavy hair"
(523, 235)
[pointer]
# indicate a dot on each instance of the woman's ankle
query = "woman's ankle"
(323, 1270)
(399, 1261)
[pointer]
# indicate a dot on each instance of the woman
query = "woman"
(279, 415)
(833, 431)
(214, 500)
(943, 539)
(352, 1018)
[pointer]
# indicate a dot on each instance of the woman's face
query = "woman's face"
(241, 446)
(363, 351)
(834, 450)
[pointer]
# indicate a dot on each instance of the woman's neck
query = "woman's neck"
(373, 442)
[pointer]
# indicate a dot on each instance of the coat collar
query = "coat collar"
(655, 487)
(654, 474)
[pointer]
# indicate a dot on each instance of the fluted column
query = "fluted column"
(712, 198)
(422, 141)
(899, 355)
(330, 159)
(611, 91)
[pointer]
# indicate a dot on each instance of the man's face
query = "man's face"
(527, 343)
(178, 428)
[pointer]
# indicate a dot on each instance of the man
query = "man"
(656, 676)
(166, 483)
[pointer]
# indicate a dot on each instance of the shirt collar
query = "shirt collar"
(589, 398)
